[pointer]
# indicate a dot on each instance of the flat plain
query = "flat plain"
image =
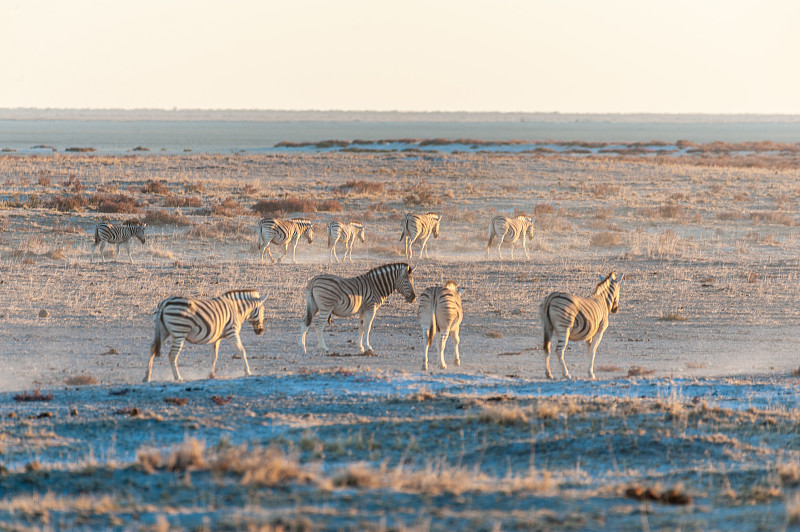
(692, 423)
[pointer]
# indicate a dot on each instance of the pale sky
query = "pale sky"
(713, 56)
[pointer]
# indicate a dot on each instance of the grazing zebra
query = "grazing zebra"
(206, 321)
(347, 233)
(283, 233)
(510, 230)
(440, 310)
(117, 234)
(419, 227)
(333, 295)
(569, 317)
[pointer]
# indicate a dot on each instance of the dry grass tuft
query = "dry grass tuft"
(35, 396)
(360, 186)
(183, 201)
(672, 316)
(493, 334)
(606, 239)
(117, 203)
(155, 187)
(67, 203)
(80, 380)
(639, 371)
(772, 217)
(421, 194)
(163, 217)
(187, 456)
(295, 204)
(503, 415)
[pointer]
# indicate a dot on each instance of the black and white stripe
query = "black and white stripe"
(283, 233)
(440, 311)
(419, 228)
(347, 233)
(206, 321)
(509, 230)
(569, 317)
(331, 295)
(117, 234)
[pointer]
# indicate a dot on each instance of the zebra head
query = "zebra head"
(529, 226)
(309, 234)
(436, 219)
(256, 317)
(405, 283)
(359, 227)
(610, 286)
(137, 229)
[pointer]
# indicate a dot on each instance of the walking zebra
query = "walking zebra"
(333, 295)
(206, 321)
(419, 227)
(117, 234)
(347, 233)
(283, 233)
(569, 317)
(510, 230)
(440, 310)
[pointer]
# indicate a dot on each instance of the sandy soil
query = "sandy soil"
(709, 254)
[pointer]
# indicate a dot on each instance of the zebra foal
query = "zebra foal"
(106, 233)
(570, 317)
(419, 228)
(283, 233)
(440, 310)
(205, 321)
(347, 233)
(510, 230)
(331, 295)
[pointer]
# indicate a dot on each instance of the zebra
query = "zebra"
(570, 317)
(510, 230)
(205, 321)
(283, 233)
(440, 310)
(333, 295)
(106, 233)
(419, 227)
(347, 233)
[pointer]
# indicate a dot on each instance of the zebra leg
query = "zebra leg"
(456, 340)
(319, 325)
(213, 374)
(294, 249)
(333, 253)
(366, 326)
(591, 347)
(269, 252)
(174, 351)
(525, 246)
(561, 348)
(442, 344)
(128, 247)
(409, 249)
(236, 342)
(500, 243)
(102, 247)
(349, 249)
(513, 246)
(423, 248)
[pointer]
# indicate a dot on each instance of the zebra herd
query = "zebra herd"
(415, 228)
(563, 316)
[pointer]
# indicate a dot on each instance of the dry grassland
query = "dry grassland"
(710, 261)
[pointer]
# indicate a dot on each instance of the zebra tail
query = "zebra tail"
(309, 302)
(330, 237)
(96, 236)
(432, 330)
(491, 235)
(155, 349)
(405, 230)
(547, 325)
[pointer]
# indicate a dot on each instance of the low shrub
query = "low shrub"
(163, 217)
(155, 187)
(295, 204)
(182, 201)
(118, 203)
(67, 203)
(361, 187)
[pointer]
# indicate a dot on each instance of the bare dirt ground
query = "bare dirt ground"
(695, 398)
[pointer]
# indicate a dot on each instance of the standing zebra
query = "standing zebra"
(206, 321)
(440, 310)
(117, 234)
(283, 233)
(347, 233)
(333, 295)
(510, 230)
(569, 317)
(419, 227)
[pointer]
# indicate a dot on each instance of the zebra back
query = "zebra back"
(119, 234)
(304, 227)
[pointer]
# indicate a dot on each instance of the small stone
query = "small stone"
(44, 314)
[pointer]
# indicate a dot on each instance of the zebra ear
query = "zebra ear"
(621, 278)
(410, 270)
(602, 277)
(262, 300)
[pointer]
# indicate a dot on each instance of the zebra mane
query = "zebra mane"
(433, 215)
(131, 223)
(234, 294)
(603, 284)
(388, 267)
(356, 224)
(451, 285)
(302, 220)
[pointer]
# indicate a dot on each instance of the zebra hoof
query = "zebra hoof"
(212, 375)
